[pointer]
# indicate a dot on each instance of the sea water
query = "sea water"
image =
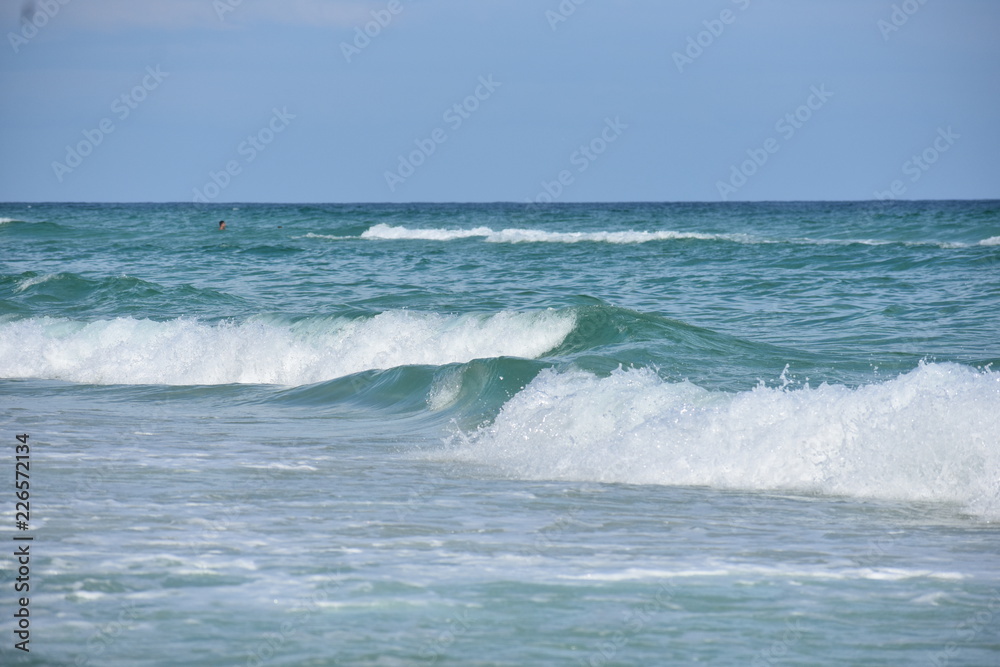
(644, 434)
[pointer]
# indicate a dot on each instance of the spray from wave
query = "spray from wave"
(189, 352)
(930, 434)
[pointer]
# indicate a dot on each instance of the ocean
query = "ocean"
(501, 434)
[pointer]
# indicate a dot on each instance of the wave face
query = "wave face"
(261, 351)
(930, 434)
(90, 296)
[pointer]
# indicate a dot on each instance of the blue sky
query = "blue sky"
(605, 100)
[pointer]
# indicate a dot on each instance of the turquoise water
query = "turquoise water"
(505, 435)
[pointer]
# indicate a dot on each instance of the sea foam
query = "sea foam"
(388, 232)
(930, 434)
(188, 352)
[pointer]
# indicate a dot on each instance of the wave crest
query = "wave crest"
(388, 232)
(383, 231)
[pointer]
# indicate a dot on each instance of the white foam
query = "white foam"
(383, 231)
(728, 570)
(285, 466)
(86, 596)
(311, 235)
(536, 236)
(27, 283)
(445, 391)
(931, 434)
(4, 221)
(189, 352)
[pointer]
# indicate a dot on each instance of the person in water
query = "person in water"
(222, 225)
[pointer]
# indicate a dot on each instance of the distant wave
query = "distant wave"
(189, 352)
(4, 221)
(29, 282)
(75, 285)
(386, 232)
(383, 231)
(102, 294)
(329, 237)
(930, 434)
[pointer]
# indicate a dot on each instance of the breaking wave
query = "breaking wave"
(264, 351)
(930, 434)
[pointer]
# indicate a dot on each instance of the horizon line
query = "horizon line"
(497, 202)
